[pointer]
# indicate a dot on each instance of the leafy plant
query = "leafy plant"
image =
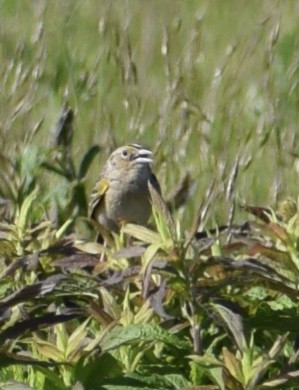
(205, 296)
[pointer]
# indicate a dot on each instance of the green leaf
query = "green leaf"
(48, 350)
(61, 338)
(206, 361)
(7, 248)
(79, 202)
(92, 372)
(262, 363)
(267, 316)
(136, 333)
(76, 339)
(87, 160)
(54, 168)
(233, 365)
(110, 304)
(91, 247)
(141, 233)
(163, 218)
(149, 256)
(233, 322)
(24, 212)
(52, 377)
(61, 231)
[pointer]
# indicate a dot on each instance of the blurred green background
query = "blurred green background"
(211, 86)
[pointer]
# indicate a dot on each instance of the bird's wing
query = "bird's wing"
(97, 197)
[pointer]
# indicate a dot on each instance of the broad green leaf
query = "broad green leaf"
(61, 338)
(206, 361)
(148, 256)
(274, 317)
(91, 247)
(75, 340)
(92, 372)
(100, 336)
(233, 365)
(133, 381)
(144, 313)
(110, 304)
(140, 333)
(7, 248)
(141, 233)
(48, 350)
(53, 378)
(234, 323)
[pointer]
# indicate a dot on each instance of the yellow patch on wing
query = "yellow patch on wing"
(101, 187)
(97, 196)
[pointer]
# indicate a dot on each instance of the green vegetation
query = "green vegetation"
(212, 88)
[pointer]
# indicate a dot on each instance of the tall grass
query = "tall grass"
(202, 84)
(212, 88)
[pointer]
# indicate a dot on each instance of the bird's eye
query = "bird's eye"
(124, 153)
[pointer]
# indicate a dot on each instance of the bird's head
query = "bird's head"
(130, 156)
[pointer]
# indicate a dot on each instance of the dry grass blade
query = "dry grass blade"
(201, 214)
(232, 179)
(161, 207)
(180, 194)
(30, 135)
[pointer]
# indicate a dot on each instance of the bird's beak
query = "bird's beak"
(143, 156)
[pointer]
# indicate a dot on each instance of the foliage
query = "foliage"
(206, 296)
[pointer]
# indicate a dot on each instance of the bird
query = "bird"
(121, 194)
